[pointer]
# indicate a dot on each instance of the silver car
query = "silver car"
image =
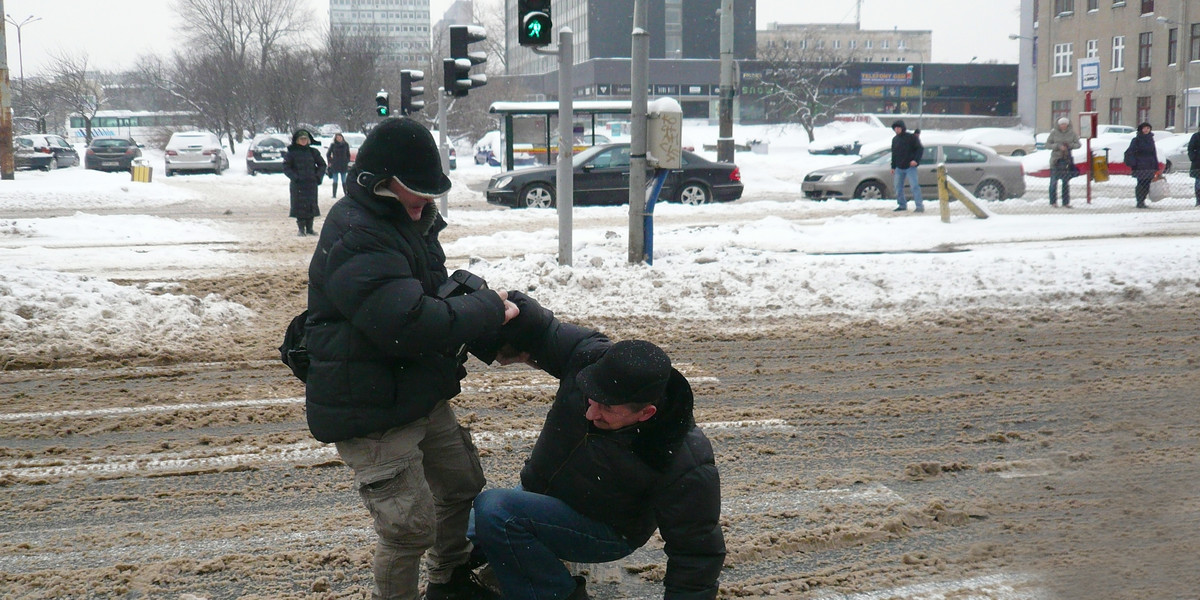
(977, 168)
(195, 151)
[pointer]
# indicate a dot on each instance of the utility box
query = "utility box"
(664, 134)
(141, 170)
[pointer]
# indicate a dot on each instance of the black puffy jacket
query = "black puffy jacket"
(659, 473)
(381, 345)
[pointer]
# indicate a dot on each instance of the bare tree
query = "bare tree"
(288, 83)
(275, 22)
(350, 72)
(36, 101)
(490, 14)
(75, 86)
(798, 84)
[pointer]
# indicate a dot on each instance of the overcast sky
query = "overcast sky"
(113, 32)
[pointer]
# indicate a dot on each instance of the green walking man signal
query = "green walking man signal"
(535, 24)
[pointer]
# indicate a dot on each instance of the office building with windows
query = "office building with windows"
(845, 41)
(1137, 54)
(401, 25)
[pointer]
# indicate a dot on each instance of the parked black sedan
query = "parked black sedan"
(62, 153)
(111, 154)
(602, 178)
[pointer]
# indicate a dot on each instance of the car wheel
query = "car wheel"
(537, 195)
(169, 172)
(990, 190)
(53, 164)
(694, 193)
(869, 190)
(251, 171)
(1018, 152)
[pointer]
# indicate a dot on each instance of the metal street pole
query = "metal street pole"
(639, 80)
(6, 143)
(725, 102)
(566, 143)
(20, 50)
(444, 202)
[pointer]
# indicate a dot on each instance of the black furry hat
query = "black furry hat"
(404, 149)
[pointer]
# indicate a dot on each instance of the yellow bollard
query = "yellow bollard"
(142, 173)
(1099, 168)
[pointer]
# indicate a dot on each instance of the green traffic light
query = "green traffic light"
(535, 29)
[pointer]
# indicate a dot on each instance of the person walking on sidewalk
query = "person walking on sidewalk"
(906, 156)
(338, 156)
(1142, 159)
(1062, 141)
(305, 168)
(1193, 150)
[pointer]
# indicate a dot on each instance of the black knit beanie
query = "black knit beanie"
(403, 148)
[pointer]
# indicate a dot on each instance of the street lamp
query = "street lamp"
(1027, 81)
(1185, 62)
(20, 53)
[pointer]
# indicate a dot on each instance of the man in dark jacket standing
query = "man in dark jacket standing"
(1142, 159)
(618, 456)
(383, 361)
(305, 168)
(906, 155)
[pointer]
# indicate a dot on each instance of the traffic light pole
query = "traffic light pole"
(640, 79)
(444, 202)
(564, 188)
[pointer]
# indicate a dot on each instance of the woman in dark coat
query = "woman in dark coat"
(1142, 159)
(339, 161)
(1193, 148)
(304, 166)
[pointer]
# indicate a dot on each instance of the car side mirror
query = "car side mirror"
(589, 168)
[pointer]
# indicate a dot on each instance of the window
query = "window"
(883, 44)
(1143, 109)
(870, 44)
(1060, 109)
(1172, 45)
(1064, 6)
(1062, 59)
(900, 44)
(1118, 58)
(1093, 49)
(1147, 7)
(853, 44)
(1093, 5)
(1114, 111)
(837, 44)
(960, 154)
(1194, 43)
(1144, 43)
(1169, 116)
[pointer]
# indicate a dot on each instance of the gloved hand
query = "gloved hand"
(524, 330)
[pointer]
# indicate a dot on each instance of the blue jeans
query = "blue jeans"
(910, 174)
(526, 536)
(335, 176)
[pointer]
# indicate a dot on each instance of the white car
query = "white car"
(195, 151)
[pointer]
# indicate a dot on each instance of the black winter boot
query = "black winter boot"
(463, 585)
(300, 226)
(308, 228)
(335, 188)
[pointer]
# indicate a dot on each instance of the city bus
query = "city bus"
(143, 126)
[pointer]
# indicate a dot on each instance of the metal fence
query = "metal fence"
(1114, 195)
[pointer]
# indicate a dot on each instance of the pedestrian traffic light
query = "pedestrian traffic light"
(382, 107)
(408, 91)
(533, 19)
(457, 69)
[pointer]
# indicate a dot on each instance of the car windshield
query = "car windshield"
(110, 143)
(25, 142)
(354, 139)
(876, 158)
(272, 142)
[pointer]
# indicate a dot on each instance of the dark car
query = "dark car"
(265, 153)
(62, 153)
(111, 154)
(26, 157)
(602, 178)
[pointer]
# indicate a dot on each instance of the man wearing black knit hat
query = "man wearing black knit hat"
(383, 359)
(618, 456)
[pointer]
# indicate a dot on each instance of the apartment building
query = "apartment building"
(402, 25)
(1146, 51)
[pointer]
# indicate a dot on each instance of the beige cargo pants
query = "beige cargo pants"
(418, 482)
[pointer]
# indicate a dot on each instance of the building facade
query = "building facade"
(1145, 50)
(603, 29)
(401, 25)
(847, 41)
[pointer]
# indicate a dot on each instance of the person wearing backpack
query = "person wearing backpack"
(1142, 159)
(383, 362)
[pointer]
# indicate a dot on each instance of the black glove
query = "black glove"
(524, 331)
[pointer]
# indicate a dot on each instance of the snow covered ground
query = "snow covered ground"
(80, 271)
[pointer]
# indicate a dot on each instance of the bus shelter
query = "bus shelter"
(583, 110)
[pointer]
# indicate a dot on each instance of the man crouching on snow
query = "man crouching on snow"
(618, 456)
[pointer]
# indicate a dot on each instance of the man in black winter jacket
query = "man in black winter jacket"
(383, 361)
(906, 155)
(618, 456)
